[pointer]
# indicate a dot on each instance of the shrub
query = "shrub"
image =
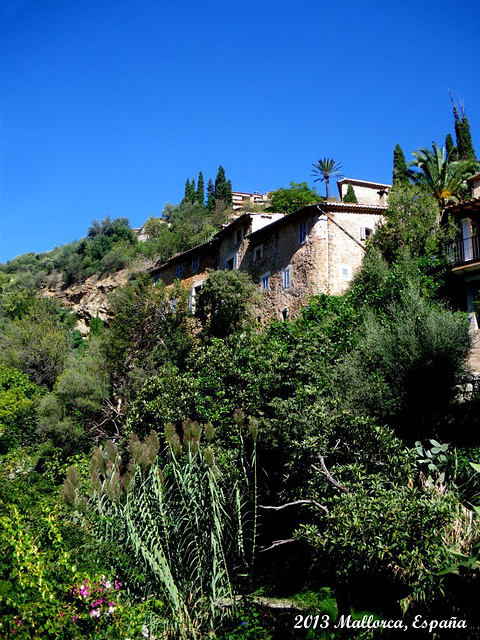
(407, 364)
(18, 401)
(225, 303)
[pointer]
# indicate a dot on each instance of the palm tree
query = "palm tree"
(440, 174)
(324, 169)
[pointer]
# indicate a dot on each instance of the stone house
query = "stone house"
(291, 257)
(313, 250)
(366, 192)
(465, 251)
(226, 250)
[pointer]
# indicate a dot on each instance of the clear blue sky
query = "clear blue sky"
(109, 105)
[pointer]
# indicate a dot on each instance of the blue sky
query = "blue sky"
(109, 105)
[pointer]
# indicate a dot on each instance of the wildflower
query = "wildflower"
(111, 609)
(75, 617)
(107, 584)
(145, 632)
(95, 613)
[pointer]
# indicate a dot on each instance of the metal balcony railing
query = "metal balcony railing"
(464, 250)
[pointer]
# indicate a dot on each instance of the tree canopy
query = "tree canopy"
(289, 200)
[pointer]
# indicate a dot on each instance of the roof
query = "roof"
(227, 228)
(345, 206)
(462, 208)
(476, 176)
(363, 183)
(317, 208)
(182, 255)
(287, 218)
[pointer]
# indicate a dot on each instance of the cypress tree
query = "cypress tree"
(210, 196)
(452, 151)
(221, 185)
(400, 169)
(462, 133)
(228, 194)
(350, 195)
(467, 152)
(190, 193)
(200, 194)
(188, 190)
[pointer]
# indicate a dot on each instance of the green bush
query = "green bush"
(18, 403)
(406, 365)
(225, 303)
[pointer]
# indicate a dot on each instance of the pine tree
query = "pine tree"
(350, 195)
(210, 196)
(451, 149)
(200, 193)
(400, 169)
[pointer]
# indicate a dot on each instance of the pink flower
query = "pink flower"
(95, 613)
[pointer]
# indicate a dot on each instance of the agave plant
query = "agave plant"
(436, 171)
(324, 170)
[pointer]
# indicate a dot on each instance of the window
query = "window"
(284, 314)
(240, 235)
(156, 279)
(365, 232)
(230, 263)
(302, 232)
(345, 271)
(179, 271)
(265, 281)
(195, 263)
(194, 291)
(285, 278)
(258, 253)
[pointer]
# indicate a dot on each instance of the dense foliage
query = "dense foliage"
(167, 465)
(289, 200)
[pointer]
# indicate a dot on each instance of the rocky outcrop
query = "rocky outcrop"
(89, 299)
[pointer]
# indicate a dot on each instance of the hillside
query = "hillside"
(164, 474)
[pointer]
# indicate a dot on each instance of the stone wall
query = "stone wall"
(345, 255)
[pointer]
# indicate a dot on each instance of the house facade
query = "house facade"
(465, 251)
(314, 250)
(242, 199)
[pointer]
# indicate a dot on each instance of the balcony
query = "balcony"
(464, 251)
